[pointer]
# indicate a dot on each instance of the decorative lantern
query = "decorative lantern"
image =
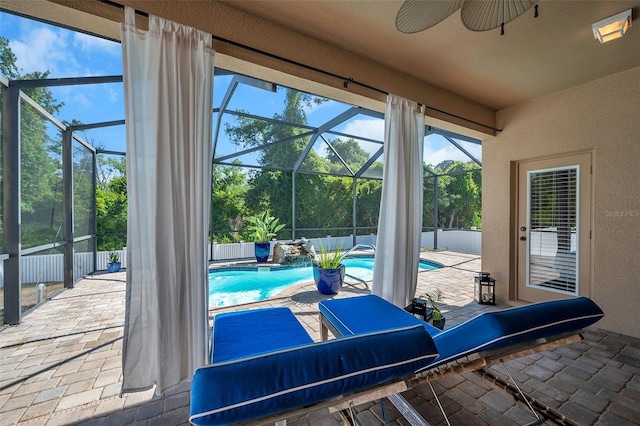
(485, 289)
(419, 307)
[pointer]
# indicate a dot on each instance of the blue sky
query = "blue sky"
(64, 53)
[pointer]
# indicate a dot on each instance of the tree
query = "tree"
(350, 152)
(270, 188)
(459, 195)
(111, 203)
(110, 168)
(41, 175)
(322, 200)
(324, 187)
(229, 190)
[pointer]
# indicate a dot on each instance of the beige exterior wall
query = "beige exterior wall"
(604, 117)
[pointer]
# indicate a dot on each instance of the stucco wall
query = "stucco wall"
(602, 116)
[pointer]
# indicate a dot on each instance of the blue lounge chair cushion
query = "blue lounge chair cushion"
(257, 386)
(247, 333)
(513, 326)
(487, 331)
(367, 314)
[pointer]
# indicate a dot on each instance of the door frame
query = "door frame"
(516, 198)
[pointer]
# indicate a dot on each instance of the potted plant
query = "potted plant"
(262, 228)
(114, 262)
(328, 270)
(437, 319)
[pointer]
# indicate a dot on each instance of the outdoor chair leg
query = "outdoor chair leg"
(446, 419)
(408, 412)
(539, 419)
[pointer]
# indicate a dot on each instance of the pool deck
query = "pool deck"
(62, 365)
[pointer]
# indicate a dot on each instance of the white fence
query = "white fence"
(50, 268)
(460, 241)
(243, 250)
(47, 268)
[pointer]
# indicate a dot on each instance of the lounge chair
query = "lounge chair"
(265, 366)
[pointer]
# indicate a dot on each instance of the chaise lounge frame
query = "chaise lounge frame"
(463, 365)
(508, 342)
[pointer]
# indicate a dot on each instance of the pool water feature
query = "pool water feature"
(237, 285)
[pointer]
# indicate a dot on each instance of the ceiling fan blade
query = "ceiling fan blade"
(418, 15)
(483, 15)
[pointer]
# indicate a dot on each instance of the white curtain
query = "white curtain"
(395, 271)
(168, 83)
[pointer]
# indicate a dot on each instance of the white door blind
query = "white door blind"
(552, 219)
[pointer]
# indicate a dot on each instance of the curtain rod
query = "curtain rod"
(345, 80)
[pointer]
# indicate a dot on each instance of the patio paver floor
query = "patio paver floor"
(62, 365)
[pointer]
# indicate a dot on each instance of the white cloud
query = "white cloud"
(113, 95)
(90, 45)
(80, 99)
(42, 49)
(366, 128)
(435, 150)
(435, 155)
(313, 107)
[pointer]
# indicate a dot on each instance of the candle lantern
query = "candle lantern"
(419, 307)
(485, 289)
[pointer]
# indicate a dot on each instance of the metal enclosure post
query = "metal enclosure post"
(355, 224)
(67, 206)
(435, 212)
(293, 206)
(95, 210)
(11, 203)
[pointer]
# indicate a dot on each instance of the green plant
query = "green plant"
(263, 227)
(330, 259)
(433, 297)
(114, 257)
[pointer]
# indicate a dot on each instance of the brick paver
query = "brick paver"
(62, 365)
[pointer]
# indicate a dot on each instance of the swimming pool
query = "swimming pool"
(236, 285)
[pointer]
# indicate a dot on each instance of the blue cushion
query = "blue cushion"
(247, 333)
(257, 386)
(367, 314)
(487, 331)
(500, 329)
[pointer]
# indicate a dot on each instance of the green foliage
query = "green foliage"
(229, 192)
(109, 168)
(324, 201)
(263, 227)
(350, 152)
(8, 67)
(114, 257)
(433, 297)
(330, 259)
(41, 174)
(368, 195)
(111, 203)
(459, 196)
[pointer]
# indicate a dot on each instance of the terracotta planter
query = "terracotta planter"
(328, 280)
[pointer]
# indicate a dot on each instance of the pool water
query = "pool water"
(238, 285)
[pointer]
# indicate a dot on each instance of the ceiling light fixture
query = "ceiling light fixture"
(613, 27)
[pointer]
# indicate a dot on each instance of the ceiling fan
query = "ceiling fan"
(477, 15)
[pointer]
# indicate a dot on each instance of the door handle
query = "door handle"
(523, 228)
(523, 238)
